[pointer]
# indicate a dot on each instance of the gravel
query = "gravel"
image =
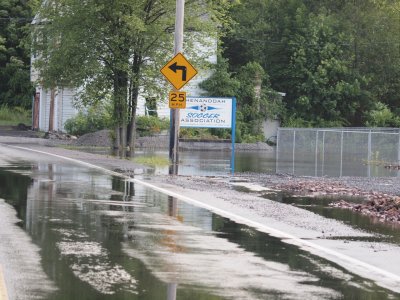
(100, 138)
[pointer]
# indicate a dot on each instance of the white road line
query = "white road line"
(116, 203)
(289, 238)
(3, 288)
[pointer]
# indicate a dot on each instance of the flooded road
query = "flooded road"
(214, 163)
(218, 163)
(100, 237)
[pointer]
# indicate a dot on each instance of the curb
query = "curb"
(3, 288)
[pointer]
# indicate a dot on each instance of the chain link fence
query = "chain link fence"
(337, 151)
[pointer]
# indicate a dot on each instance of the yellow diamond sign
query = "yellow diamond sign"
(178, 71)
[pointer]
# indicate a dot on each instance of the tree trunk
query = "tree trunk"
(51, 113)
(117, 137)
(134, 94)
(132, 118)
(132, 132)
(123, 139)
(120, 109)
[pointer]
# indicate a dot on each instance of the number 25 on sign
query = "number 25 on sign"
(177, 99)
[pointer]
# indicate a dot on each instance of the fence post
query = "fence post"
(369, 145)
(294, 149)
(369, 152)
(316, 153)
(277, 151)
(341, 154)
(398, 150)
(323, 152)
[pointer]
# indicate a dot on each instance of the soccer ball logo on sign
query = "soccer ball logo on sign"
(203, 107)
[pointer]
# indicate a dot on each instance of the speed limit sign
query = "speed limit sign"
(177, 99)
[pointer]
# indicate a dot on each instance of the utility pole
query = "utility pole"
(174, 125)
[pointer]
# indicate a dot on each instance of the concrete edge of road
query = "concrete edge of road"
(385, 278)
(3, 287)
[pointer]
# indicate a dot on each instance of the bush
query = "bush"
(382, 116)
(150, 125)
(93, 120)
(196, 133)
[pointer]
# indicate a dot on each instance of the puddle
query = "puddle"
(103, 238)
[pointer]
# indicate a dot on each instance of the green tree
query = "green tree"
(246, 40)
(333, 59)
(255, 98)
(382, 116)
(15, 86)
(324, 87)
(222, 82)
(114, 49)
(373, 28)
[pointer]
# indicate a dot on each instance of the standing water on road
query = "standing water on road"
(213, 163)
(100, 237)
(217, 162)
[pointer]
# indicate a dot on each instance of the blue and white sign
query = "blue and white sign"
(207, 112)
(211, 112)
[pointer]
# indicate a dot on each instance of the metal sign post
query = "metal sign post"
(174, 123)
(233, 135)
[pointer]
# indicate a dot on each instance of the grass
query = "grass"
(12, 116)
(75, 147)
(153, 161)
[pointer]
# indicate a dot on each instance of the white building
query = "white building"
(55, 105)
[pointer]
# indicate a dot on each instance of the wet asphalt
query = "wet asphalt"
(343, 244)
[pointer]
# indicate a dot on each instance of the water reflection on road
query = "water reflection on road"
(216, 162)
(104, 238)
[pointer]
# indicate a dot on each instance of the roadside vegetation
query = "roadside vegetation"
(99, 117)
(153, 161)
(94, 119)
(202, 133)
(16, 89)
(151, 125)
(12, 116)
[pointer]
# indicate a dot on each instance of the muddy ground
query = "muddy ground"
(381, 195)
